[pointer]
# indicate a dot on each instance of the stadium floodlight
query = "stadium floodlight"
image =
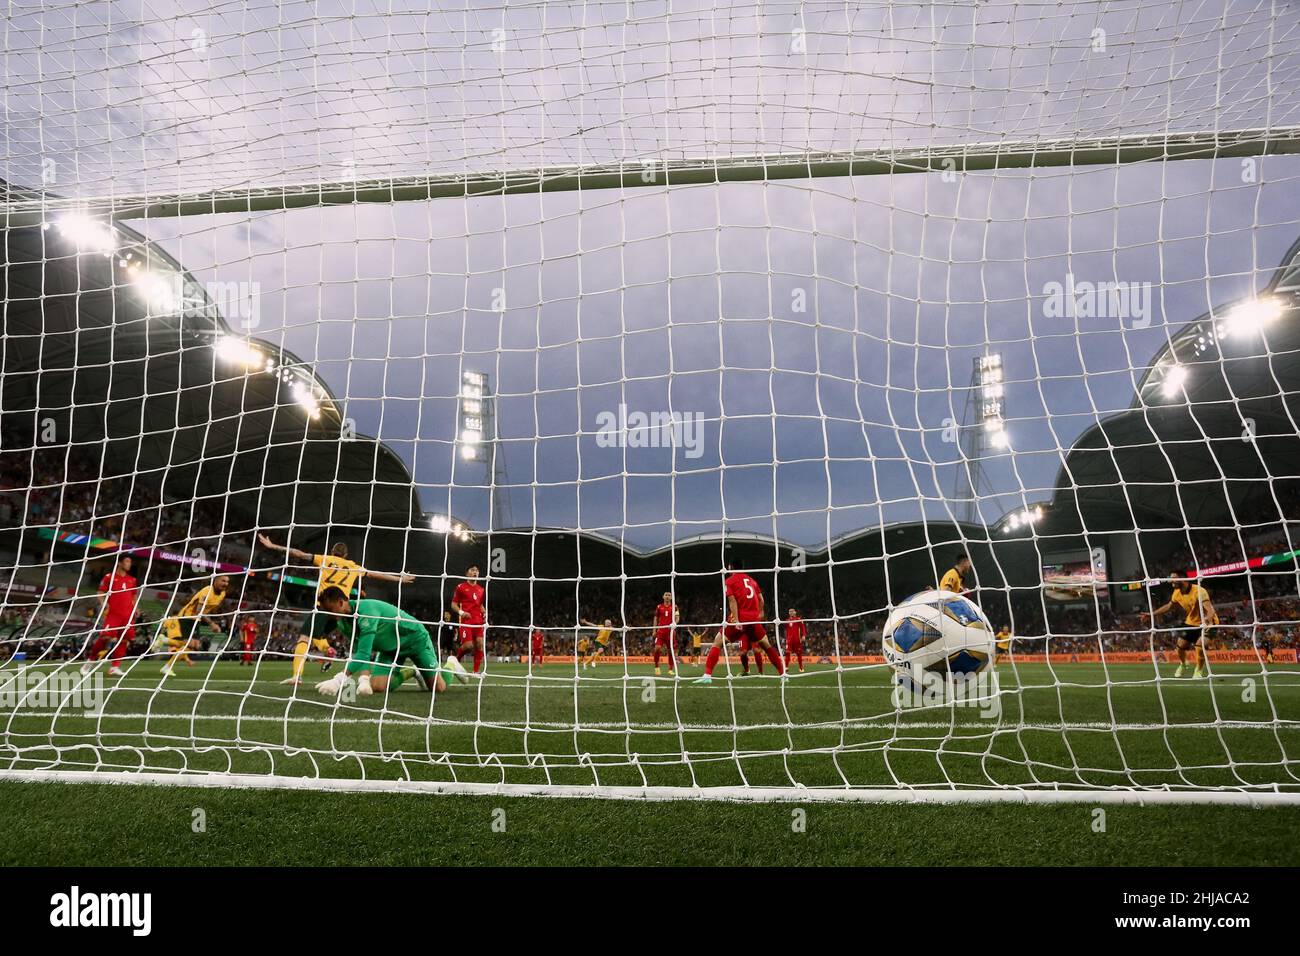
(444, 524)
(473, 385)
(474, 425)
(301, 395)
(163, 291)
(1250, 317)
(87, 234)
(1175, 378)
(237, 351)
(1022, 518)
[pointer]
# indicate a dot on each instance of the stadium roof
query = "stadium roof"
(1213, 420)
(132, 361)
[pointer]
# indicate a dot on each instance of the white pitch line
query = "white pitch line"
(862, 722)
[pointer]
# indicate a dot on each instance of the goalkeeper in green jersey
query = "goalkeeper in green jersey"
(383, 637)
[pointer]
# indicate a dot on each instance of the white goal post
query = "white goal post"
(608, 303)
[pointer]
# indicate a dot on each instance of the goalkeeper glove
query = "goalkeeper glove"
(332, 687)
(363, 686)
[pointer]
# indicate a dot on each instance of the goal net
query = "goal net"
(307, 312)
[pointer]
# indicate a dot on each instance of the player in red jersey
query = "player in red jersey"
(666, 618)
(538, 653)
(745, 607)
(795, 631)
(119, 592)
(467, 605)
(248, 637)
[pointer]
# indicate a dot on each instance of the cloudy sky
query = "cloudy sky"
(827, 326)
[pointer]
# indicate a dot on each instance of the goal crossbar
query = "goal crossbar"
(35, 208)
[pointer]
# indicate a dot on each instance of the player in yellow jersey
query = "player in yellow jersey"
(954, 579)
(603, 634)
(1004, 642)
(697, 644)
(180, 628)
(336, 571)
(1198, 614)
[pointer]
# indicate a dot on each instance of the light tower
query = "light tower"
(982, 430)
(476, 440)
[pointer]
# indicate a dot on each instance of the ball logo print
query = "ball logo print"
(939, 632)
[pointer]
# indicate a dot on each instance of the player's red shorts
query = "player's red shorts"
(794, 643)
(748, 633)
(118, 630)
(469, 633)
(663, 637)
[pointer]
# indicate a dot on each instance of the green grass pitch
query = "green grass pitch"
(819, 729)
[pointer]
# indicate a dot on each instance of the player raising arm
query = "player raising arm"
(1198, 614)
(336, 570)
(603, 634)
(181, 628)
(745, 607)
(385, 636)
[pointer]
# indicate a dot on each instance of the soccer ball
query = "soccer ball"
(937, 633)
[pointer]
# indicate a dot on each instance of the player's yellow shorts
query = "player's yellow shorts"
(179, 631)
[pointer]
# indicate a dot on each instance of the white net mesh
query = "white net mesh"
(829, 294)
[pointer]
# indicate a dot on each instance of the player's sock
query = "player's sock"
(744, 663)
(772, 656)
(798, 654)
(712, 661)
(299, 656)
(758, 662)
(657, 655)
(95, 648)
(478, 660)
(399, 675)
